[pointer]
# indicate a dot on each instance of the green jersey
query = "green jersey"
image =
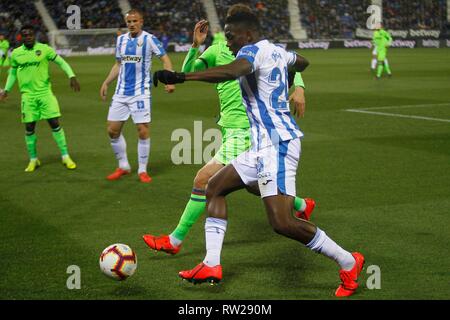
(32, 68)
(232, 110)
(4, 46)
(381, 39)
(218, 38)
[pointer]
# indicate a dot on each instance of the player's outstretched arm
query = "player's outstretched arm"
(233, 70)
(167, 65)
(110, 78)
(300, 63)
(191, 62)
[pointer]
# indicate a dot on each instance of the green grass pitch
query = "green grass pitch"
(382, 186)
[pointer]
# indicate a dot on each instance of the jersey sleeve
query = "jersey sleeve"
(291, 58)
(156, 46)
(249, 53)
(50, 53)
(208, 57)
(13, 61)
(118, 45)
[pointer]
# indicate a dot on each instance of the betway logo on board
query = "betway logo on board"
(314, 45)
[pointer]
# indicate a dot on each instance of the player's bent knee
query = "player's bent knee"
(200, 181)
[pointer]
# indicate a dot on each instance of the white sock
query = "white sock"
(214, 234)
(143, 154)
(303, 205)
(119, 147)
(374, 64)
(174, 241)
(321, 243)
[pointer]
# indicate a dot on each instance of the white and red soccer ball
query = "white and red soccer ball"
(118, 261)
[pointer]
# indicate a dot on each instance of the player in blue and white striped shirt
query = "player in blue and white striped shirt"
(271, 164)
(132, 97)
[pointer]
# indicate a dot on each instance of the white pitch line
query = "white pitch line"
(397, 115)
(406, 106)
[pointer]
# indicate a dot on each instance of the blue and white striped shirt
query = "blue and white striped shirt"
(135, 55)
(265, 94)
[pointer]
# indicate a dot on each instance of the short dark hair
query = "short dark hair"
(248, 19)
(238, 7)
(27, 27)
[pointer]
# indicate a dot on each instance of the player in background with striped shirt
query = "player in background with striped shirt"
(134, 51)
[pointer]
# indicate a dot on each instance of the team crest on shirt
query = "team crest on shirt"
(276, 56)
(38, 52)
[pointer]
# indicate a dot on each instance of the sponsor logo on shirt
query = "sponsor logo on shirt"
(131, 59)
(29, 64)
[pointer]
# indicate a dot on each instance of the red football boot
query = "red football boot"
(117, 174)
(161, 243)
(202, 273)
(144, 177)
(306, 215)
(349, 278)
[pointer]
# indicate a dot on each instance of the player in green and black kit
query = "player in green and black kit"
(29, 64)
(235, 139)
(382, 40)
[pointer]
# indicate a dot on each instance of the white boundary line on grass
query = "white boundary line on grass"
(367, 111)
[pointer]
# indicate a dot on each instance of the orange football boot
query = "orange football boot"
(144, 177)
(161, 243)
(202, 273)
(117, 174)
(349, 278)
(306, 215)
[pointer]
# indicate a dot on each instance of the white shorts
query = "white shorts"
(139, 107)
(273, 168)
(374, 52)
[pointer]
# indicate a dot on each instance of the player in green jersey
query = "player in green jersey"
(235, 138)
(4, 47)
(29, 64)
(382, 40)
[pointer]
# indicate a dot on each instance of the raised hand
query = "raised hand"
(200, 33)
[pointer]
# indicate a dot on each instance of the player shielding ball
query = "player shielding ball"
(262, 69)
(134, 52)
(234, 125)
(29, 64)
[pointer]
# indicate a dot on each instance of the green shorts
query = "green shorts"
(35, 108)
(234, 142)
(381, 55)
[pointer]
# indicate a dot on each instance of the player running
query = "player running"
(235, 138)
(381, 40)
(262, 69)
(29, 64)
(134, 52)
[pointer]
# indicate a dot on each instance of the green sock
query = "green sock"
(387, 68)
(194, 208)
(60, 138)
(299, 204)
(379, 69)
(30, 141)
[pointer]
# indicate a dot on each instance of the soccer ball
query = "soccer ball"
(118, 261)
